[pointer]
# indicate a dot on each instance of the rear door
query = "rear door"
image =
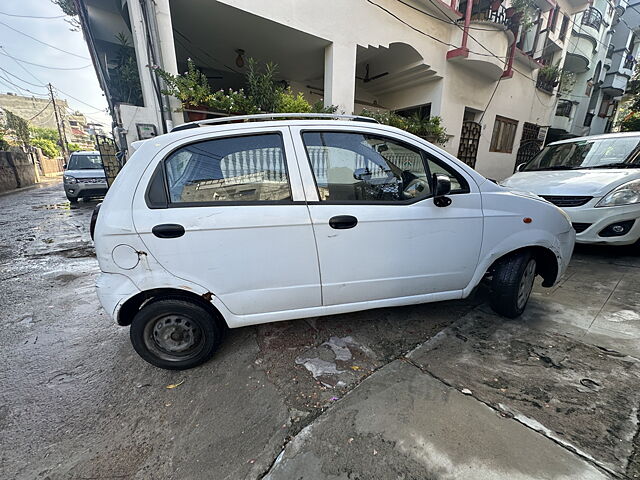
(378, 232)
(233, 220)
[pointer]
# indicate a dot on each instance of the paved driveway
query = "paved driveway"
(77, 402)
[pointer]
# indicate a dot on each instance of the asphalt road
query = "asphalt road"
(76, 402)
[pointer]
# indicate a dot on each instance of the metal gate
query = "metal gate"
(530, 144)
(110, 161)
(469, 140)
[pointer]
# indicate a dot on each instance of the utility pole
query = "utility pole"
(61, 132)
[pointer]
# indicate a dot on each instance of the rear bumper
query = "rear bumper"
(600, 218)
(113, 290)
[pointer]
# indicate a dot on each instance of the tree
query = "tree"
(48, 133)
(630, 109)
(19, 127)
(48, 147)
(68, 7)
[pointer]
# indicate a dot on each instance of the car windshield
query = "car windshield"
(85, 162)
(621, 152)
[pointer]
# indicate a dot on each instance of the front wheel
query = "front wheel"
(512, 284)
(73, 200)
(175, 334)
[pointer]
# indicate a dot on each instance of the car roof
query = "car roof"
(86, 152)
(603, 136)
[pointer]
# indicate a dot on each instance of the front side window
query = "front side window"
(235, 169)
(504, 134)
(368, 168)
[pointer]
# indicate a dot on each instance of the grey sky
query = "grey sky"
(82, 83)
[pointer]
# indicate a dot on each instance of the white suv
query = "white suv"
(233, 222)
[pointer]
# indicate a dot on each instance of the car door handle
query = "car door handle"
(342, 222)
(168, 230)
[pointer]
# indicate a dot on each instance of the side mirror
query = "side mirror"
(64, 166)
(520, 167)
(441, 188)
(362, 174)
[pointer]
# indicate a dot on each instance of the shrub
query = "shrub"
(630, 123)
(48, 147)
(429, 128)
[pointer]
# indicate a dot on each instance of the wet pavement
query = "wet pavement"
(77, 402)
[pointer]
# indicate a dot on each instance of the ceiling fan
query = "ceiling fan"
(367, 78)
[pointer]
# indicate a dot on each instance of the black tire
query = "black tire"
(512, 282)
(175, 334)
(73, 200)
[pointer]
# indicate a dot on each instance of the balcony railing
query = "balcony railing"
(592, 18)
(610, 50)
(483, 12)
(564, 108)
(629, 61)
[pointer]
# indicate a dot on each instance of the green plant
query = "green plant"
(293, 103)
(231, 101)
(191, 88)
(41, 132)
(429, 128)
(630, 123)
(19, 127)
(524, 10)
(319, 107)
(550, 72)
(48, 147)
(125, 79)
(262, 88)
(74, 147)
(4, 145)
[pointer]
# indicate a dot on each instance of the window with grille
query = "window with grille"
(504, 134)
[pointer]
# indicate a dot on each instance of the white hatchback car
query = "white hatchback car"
(596, 180)
(224, 223)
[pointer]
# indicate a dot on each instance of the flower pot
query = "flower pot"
(196, 116)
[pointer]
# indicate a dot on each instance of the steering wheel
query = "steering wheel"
(415, 188)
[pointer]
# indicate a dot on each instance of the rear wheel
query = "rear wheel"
(512, 284)
(175, 334)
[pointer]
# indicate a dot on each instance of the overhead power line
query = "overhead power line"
(40, 112)
(21, 79)
(31, 16)
(46, 66)
(42, 42)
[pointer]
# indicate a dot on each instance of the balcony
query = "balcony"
(562, 118)
(592, 18)
(546, 84)
(615, 84)
(495, 35)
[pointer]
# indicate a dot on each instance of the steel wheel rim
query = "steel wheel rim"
(174, 337)
(526, 283)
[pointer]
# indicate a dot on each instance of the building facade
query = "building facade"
(598, 66)
(488, 68)
(39, 112)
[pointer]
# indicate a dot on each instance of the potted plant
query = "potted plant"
(548, 77)
(191, 88)
(520, 13)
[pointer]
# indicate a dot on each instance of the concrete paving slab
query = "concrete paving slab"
(580, 394)
(403, 423)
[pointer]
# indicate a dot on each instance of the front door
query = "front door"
(378, 232)
(235, 222)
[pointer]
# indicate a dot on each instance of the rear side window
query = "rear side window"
(234, 169)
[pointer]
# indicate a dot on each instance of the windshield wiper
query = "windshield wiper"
(617, 165)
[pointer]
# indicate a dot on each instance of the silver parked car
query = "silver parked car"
(84, 176)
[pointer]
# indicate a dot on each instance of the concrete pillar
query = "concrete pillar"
(340, 76)
(140, 44)
(167, 51)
